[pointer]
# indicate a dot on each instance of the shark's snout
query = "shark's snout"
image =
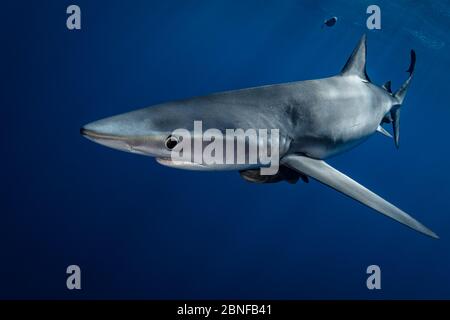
(130, 132)
(91, 134)
(105, 137)
(84, 132)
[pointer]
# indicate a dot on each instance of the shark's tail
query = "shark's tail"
(401, 93)
(399, 96)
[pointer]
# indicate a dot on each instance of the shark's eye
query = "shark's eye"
(171, 142)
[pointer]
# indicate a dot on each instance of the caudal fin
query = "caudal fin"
(401, 93)
(400, 96)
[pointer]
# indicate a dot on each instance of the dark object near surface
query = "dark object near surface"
(330, 22)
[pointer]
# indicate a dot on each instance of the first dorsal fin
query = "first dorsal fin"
(356, 64)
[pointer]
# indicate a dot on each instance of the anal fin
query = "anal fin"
(383, 131)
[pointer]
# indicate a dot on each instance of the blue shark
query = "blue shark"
(317, 119)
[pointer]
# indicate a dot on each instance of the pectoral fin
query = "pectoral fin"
(329, 176)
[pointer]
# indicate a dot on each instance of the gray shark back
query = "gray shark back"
(322, 117)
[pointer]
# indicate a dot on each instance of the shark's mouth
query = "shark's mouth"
(117, 142)
(195, 166)
(182, 164)
(93, 135)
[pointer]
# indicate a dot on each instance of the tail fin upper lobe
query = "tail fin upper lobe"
(401, 93)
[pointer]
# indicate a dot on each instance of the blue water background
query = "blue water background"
(140, 230)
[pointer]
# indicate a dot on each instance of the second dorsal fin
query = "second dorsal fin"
(356, 64)
(387, 86)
